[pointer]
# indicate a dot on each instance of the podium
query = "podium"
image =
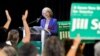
(38, 37)
(35, 33)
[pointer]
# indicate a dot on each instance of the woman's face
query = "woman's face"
(46, 14)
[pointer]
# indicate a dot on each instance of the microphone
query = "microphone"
(37, 20)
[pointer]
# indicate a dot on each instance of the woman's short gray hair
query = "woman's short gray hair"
(47, 9)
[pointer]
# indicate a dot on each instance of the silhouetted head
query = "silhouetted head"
(13, 36)
(53, 47)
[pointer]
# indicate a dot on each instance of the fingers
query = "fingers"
(83, 45)
(6, 11)
(77, 40)
(25, 15)
(78, 37)
(7, 15)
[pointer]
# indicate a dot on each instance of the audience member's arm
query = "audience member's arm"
(26, 39)
(6, 26)
(82, 46)
(73, 49)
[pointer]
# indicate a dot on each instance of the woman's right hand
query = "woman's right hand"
(24, 17)
(7, 15)
(77, 40)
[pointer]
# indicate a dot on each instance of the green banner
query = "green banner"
(63, 29)
(85, 20)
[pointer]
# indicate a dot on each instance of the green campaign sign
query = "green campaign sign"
(63, 29)
(85, 20)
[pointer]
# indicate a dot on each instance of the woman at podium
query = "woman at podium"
(48, 23)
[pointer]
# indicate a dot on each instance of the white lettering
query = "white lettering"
(94, 23)
(79, 24)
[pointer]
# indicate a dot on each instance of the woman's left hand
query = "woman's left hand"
(48, 30)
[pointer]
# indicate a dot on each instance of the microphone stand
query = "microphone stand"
(37, 20)
(33, 21)
(29, 23)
